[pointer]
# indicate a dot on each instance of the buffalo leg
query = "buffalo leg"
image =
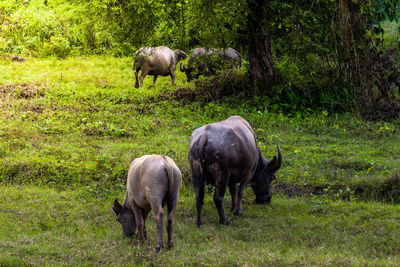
(144, 216)
(220, 188)
(233, 188)
(219, 200)
(155, 79)
(142, 76)
(240, 193)
(172, 74)
(198, 184)
(139, 220)
(171, 206)
(158, 216)
(199, 203)
(136, 77)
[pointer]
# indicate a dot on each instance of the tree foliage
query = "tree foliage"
(319, 54)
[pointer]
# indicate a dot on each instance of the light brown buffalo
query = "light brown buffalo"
(156, 61)
(153, 181)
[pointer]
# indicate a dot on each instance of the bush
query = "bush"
(57, 46)
(225, 83)
(379, 99)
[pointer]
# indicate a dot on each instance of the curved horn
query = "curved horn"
(278, 165)
(182, 68)
(117, 207)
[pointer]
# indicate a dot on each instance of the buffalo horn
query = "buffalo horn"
(182, 68)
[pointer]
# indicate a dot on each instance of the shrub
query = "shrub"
(225, 83)
(57, 46)
(377, 99)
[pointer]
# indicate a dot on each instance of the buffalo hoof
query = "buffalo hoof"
(170, 245)
(145, 233)
(237, 213)
(136, 85)
(199, 223)
(159, 247)
(143, 237)
(226, 222)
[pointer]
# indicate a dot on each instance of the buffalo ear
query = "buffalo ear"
(273, 164)
(117, 207)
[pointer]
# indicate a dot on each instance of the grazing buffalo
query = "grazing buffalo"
(156, 61)
(224, 154)
(153, 181)
(208, 62)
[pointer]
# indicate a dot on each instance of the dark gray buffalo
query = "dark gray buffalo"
(208, 62)
(156, 61)
(153, 181)
(224, 154)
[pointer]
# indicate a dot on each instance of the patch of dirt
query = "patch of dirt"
(143, 109)
(36, 108)
(23, 90)
(351, 165)
(180, 94)
(388, 190)
(303, 190)
(291, 190)
(20, 97)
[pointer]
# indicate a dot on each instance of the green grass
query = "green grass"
(78, 121)
(391, 35)
(70, 128)
(70, 227)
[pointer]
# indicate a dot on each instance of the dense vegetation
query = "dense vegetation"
(318, 54)
(71, 123)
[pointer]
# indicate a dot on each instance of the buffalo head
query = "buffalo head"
(126, 218)
(264, 176)
(187, 71)
(180, 54)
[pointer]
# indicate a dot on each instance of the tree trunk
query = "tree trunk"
(260, 56)
(352, 36)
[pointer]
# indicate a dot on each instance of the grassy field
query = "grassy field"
(70, 128)
(70, 227)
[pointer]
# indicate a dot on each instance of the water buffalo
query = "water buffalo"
(226, 153)
(153, 181)
(156, 61)
(208, 62)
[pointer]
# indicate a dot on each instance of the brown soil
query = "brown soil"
(180, 94)
(23, 90)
